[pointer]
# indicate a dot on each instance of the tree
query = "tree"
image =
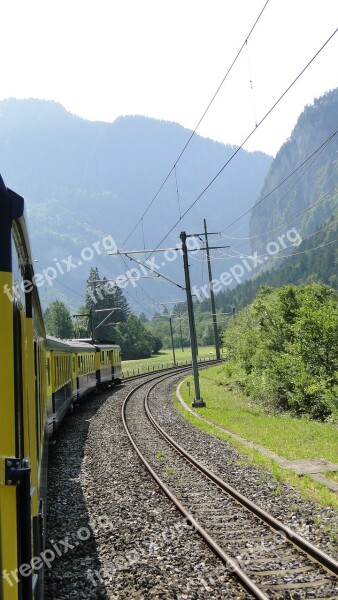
(283, 349)
(157, 344)
(135, 339)
(81, 324)
(58, 320)
(102, 295)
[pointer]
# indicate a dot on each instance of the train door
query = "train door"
(19, 473)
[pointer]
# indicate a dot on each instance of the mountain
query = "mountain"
(294, 224)
(300, 189)
(85, 181)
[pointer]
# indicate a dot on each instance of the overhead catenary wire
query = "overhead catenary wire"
(246, 139)
(178, 194)
(242, 255)
(198, 124)
(319, 150)
(63, 284)
(303, 251)
(327, 196)
(273, 257)
(141, 287)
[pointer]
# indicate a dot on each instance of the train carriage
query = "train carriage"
(40, 378)
(83, 368)
(22, 408)
(59, 381)
(108, 365)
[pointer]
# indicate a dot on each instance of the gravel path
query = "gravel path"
(114, 534)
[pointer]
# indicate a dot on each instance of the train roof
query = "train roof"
(104, 345)
(81, 345)
(54, 343)
(107, 346)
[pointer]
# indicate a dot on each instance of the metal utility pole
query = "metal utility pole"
(172, 341)
(212, 297)
(181, 337)
(198, 401)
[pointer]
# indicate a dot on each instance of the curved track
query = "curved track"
(269, 559)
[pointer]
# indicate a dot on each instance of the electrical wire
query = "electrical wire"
(198, 124)
(246, 139)
(327, 196)
(63, 284)
(320, 149)
(241, 255)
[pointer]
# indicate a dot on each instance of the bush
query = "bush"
(283, 349)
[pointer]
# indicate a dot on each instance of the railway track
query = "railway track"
(269, 559)
(173, 369)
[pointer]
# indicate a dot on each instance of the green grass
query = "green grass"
(164, 359)
(332, 475)
(288, 437)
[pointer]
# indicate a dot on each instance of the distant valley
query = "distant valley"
(83, 181)
(86, 184)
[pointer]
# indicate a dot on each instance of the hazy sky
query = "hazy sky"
(166, 58)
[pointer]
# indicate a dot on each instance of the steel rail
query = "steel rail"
(201, 364)
(230, 563)
(326, 561)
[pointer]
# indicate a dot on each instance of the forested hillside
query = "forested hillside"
(316, 259)
(303, 174)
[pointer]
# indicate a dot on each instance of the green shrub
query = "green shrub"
(283, 350)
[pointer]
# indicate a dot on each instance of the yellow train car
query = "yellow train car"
(108, 365)
(83, 369)
(59, 381)
(22, 409)
(107, 361)
(41, 377)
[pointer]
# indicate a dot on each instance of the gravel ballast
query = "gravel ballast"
(127, 540)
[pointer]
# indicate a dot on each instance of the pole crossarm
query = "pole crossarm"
(126, 252)
(199, 234)
(212, 248)
(147, 266)
(90, 316)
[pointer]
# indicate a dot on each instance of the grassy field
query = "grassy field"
(288, 437)
(164, 359)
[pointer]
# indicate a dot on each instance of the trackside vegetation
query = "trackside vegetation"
(282, 350)
(289, 437)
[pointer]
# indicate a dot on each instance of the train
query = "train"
(41, 379)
